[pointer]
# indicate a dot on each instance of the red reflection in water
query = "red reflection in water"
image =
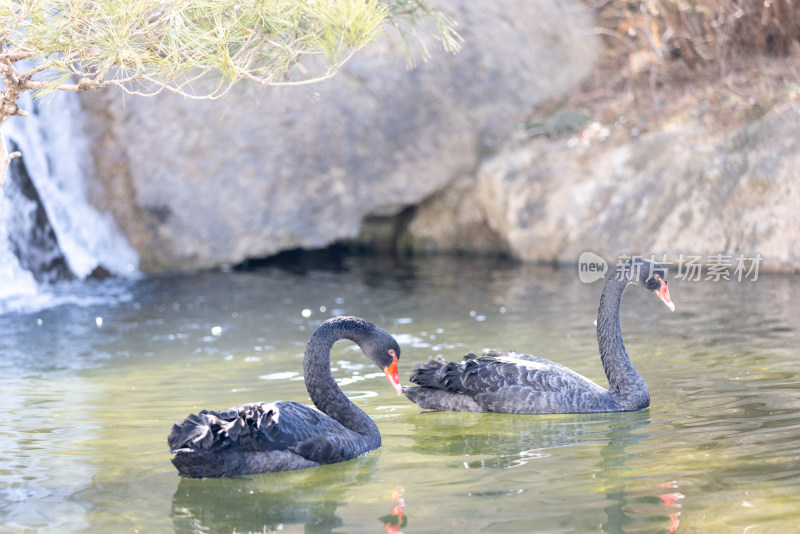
(670, 500)
(397, 517)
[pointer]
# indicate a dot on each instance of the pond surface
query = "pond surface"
(90, 389)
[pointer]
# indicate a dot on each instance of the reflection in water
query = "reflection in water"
(670, 500)
(268, 502)
(397, 516)
(624, 509)
(508, 440)
(614, 471)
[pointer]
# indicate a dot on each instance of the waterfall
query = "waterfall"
(50, 234)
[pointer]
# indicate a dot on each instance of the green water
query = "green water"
(89, 392)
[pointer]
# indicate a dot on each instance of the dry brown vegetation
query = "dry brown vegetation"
(721, 62)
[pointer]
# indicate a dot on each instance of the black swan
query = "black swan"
(511, 382)
(286, 435)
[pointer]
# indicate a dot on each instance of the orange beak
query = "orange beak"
(663, 294)
(394, 376)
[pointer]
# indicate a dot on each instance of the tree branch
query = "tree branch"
(147, 47)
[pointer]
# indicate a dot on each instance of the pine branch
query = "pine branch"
(146, 47)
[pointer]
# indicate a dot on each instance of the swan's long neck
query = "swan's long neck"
(624, 382)
(322, 387)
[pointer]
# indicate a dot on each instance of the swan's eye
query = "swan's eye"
(392, 353)
(657, 277)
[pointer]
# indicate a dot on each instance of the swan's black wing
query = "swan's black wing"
(493, 371)
(502, 381)
(282, 426)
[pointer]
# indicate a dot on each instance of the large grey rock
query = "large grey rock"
(683, 191)
(198, 184)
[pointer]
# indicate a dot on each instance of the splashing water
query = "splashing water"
(49, 232)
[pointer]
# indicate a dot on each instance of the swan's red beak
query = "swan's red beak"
(663, 294)
(394, 376)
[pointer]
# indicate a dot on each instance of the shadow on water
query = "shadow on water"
(268, 502)
(300, 261)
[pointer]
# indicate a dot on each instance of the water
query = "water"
(90, 390)
(48, 229)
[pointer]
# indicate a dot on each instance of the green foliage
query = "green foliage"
(414, 19)
(146, 46)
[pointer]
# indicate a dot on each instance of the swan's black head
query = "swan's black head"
(649, 275)
(383, 349)
(378, 345)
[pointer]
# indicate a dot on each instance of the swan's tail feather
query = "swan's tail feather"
(196, 432)
(210, 430)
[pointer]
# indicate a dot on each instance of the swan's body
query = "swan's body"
(512, 382)
(286, 435)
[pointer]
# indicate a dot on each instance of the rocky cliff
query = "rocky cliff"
(199, 184)
(433, 154)
(683, 191)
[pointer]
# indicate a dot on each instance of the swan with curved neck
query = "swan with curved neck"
(512, 382)
(286, 435)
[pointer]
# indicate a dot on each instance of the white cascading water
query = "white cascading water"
(55, 158)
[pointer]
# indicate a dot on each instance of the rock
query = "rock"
(685, 191)
(199, 184)
(454, 220)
